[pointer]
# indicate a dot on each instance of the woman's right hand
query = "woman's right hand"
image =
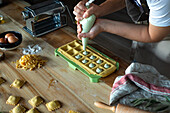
(80, 10)
(94, 31)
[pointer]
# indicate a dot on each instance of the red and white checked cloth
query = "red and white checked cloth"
(140, 81)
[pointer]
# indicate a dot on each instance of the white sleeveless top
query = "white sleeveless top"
(159, 12)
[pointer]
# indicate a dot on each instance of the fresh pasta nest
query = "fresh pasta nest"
(30, 62)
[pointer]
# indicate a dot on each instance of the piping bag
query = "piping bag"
(87, 24)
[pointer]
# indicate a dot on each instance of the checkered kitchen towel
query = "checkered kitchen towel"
(140, 81)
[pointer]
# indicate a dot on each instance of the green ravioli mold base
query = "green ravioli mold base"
(93, 78)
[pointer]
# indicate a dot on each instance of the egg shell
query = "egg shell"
(3, 40)
(12, 39)
(9, 34)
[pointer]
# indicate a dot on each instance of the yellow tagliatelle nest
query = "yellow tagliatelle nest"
(30, 62)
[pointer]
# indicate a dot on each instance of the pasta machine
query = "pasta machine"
(44, 17)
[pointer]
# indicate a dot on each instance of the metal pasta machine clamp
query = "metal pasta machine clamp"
(45, 17)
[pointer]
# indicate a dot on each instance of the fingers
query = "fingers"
(94, 9)
(90, 34)
(94, 31)
(79, 28)
(89, 12)
(78, 18)
(81, 4)
(80, 38)
(79, 10)
(85, 35)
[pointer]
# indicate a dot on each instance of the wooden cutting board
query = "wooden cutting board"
(53, 81)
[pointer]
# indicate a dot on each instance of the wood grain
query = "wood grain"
(55, 80)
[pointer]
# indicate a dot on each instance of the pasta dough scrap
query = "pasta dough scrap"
(71, 111)
(17, 83)
(33, 110)
(2, 80)
(30, 62)
(53, 105)
(13, 100)
(18, 109)
(35, 101)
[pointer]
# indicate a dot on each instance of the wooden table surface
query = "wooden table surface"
(56, 80)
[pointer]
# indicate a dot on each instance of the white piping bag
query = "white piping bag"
(87, 24)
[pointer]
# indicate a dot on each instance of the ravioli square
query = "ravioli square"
(71, 111)
(33, 110)
(18, 109)
(35, 101)
(53, 105)
(17, 83)
(2, 80)
(13, 100)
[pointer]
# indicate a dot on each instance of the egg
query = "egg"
(9, 34)
(3, 40)
(12, 39)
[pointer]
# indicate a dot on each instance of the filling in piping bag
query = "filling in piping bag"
(87, 24)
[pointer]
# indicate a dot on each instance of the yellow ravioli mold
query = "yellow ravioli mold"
(91, 62)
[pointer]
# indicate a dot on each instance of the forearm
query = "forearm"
(110, 6)
(140, 33)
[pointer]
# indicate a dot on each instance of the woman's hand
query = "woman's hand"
(95, 30)
(80, 11)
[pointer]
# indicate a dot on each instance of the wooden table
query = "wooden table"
(72, 88)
